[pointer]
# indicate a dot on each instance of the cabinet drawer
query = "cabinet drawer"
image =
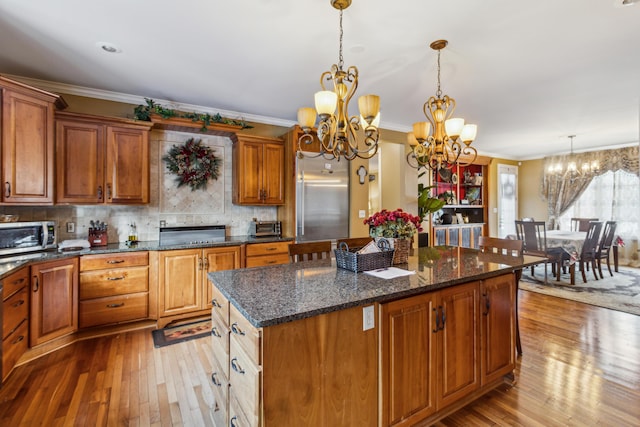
(220, 343)
(14, 346)
(15, 310)
(245, 379)
(246, 334)
(220, 396)
(117, 281)
(261, 261)
(220, 305)
(257, 249)
(104, 311)
(13, 282)
(118, 260)
(237, 417)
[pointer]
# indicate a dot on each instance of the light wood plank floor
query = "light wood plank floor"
(581, 367)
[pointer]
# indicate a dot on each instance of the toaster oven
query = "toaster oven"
(20, 237)
(265, 229)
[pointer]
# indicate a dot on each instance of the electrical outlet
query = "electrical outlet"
(361, 213)
(163, 223)
(368, 318)
(71, 227)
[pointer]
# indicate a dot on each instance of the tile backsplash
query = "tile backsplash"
(175, 206)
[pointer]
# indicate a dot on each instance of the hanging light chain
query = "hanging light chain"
(439, 91)
(340, 59)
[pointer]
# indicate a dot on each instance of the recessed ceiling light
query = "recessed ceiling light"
(628, 2)
(108, 47)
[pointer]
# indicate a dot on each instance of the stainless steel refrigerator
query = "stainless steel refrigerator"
(322, 198)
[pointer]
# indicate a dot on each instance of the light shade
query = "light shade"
(468, 133)
(369, 106)
(326, 102)
(421, 130)
(454, 127)
(306, 117)
(411, 139)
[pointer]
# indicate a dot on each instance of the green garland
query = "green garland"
(194, 163)
(143, 112)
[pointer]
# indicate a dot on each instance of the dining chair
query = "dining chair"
(581, 224)
(308, 251)
(604, 247)
(533, 235)
(507, 247)
(354, 242)
(589, 249)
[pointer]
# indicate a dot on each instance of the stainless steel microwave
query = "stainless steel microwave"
(20, 237)
(265, 228)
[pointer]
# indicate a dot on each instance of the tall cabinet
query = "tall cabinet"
(27, 136)
(464, 217)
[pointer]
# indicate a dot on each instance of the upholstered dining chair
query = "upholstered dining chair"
(308, 251)
(604, 247)
(581, 224)
(507, 247)
(533, 235)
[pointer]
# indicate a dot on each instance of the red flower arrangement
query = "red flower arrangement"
(393, 224)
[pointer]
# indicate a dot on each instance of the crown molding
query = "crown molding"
(106, 95)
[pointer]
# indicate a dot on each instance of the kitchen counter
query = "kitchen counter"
(278, 294)
(152, 245)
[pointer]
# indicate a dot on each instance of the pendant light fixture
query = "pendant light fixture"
(440, 142)
(569, 167)
(336, 130)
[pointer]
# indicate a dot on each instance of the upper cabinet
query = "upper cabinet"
(27, 135)
(258, 171)
(101, 160)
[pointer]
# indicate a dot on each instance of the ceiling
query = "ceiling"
(528, 73)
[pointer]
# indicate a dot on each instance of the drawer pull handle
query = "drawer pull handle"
(19, 303)
(215, 333)
(236, 329)
(215, 303)
(19, 281)
(116, 278)
(115, 305)
(232, 421)
(236, 367)
(115, 261)
(271, 249)
(273, 261)
(17, 340)
(214, 379)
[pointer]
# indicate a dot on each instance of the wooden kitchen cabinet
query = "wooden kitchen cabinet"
(54, 300)
(27, 137)
(15, 319)
(114, 288)
(258, 171)
(184, 289)
(101, 160)
(271, 253)
(430, 345)
(466, 235)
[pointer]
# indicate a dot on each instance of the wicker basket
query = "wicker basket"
(350, 260)
(402, 248)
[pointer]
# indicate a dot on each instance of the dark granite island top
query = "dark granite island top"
(277, 294)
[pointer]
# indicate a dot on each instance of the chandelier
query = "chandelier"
(336, 130)
(571, 169)
(450, 138)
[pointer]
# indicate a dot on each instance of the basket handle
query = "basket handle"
(384, 244)
(343, 246)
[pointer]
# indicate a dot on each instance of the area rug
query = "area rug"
(180, 333)
(620, 292)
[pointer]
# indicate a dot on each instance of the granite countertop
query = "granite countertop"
(152, 245)
(277, 294)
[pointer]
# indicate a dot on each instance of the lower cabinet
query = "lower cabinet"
(114, 288)
(261, 254)
(440, 348)
(54, 300)
(457, 235)
(15, 319)
(184, 290)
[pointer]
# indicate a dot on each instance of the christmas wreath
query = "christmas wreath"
(194, 164)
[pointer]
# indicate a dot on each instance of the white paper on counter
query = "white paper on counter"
(389, 273)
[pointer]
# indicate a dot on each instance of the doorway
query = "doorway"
(507, 199)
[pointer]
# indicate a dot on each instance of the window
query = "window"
(613, 196)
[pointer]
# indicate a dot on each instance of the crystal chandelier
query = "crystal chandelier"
(336, 130)
(571, 169)
(443, 147)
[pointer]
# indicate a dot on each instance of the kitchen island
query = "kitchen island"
(311, 344)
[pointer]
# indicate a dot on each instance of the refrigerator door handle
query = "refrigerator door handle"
(302, 191)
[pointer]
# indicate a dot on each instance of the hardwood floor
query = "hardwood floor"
(580, 367)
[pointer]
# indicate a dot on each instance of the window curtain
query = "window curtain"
(561, 190)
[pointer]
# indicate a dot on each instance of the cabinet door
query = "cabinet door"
(217, 259)
(127, 168)
(408, 358)
(273, 174)
(454, 236)
(440, 236)
(80, 156)
(180, 281)
(248, 159)
(27, 149)
(54, 300)
(457, 343)
(466, 238)
(498, 327)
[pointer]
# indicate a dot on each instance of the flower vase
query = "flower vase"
(401, 246)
